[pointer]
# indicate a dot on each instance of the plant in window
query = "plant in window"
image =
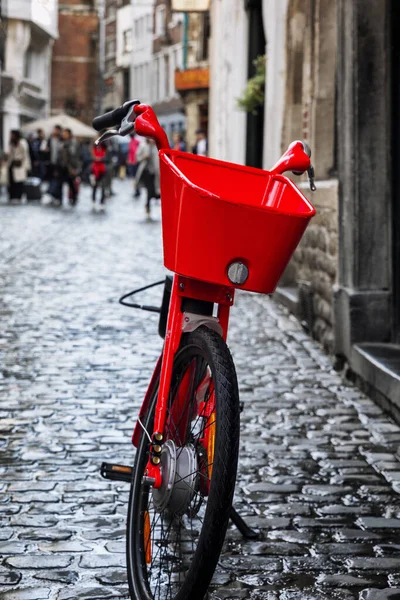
(253, 95)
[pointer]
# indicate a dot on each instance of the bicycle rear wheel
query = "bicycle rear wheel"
(175, 533)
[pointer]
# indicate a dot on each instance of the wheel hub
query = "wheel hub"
(179, 470)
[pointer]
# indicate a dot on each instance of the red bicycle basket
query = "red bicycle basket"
(215, 213)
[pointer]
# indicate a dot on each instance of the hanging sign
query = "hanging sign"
(190, 5)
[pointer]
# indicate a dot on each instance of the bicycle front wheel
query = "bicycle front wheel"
(175, 533)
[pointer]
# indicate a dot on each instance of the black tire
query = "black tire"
(185, 572)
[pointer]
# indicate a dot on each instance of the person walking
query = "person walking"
(148, 173)
(70, 164)
(54, 148)
(201, 145)
(178, 143)
(19, 164)
(86, 159)
(3, 174)
(133, 163)
(111, 161)
(98, 174)
(40, 151)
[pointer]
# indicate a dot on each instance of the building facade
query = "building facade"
(74, 82)
(167, 57)
(228, 76)
(27, 47)
(124, 47)
(142, 51)
(110, 93)
(332, 80)
(192, 76)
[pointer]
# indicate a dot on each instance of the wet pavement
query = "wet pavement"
(319, 475)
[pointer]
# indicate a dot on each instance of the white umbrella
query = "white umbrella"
(78, 128)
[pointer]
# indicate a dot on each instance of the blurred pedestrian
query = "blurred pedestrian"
(86, 159)
(98, 173)
(70, 164)
(111, 162)
(123, 152)
(3, 173)
(201, 145)
(148, 173)
(19, 165)
(54, 174)
(132, 162)
(40, 155)
(178, 143)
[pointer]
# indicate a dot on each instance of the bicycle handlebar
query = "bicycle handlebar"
(113, 117)
(142, 118)
(129, 116)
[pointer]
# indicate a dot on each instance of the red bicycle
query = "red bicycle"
(225, 226)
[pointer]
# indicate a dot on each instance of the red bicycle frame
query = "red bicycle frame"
(178, 322)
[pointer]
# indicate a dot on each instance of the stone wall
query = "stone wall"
(309, 114)
(315, 261)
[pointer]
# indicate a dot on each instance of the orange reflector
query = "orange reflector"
(146, 536)
(211, 443)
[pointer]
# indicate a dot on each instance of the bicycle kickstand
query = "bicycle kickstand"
(245, 530)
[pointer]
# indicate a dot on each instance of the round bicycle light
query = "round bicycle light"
(238, 273)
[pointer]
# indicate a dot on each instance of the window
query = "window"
(110, 47)
(157, 78)
(204, 37)
(127, 84)
(166, 75)
(127, 41)
(35, 65)
(160, 20)
(111, 11)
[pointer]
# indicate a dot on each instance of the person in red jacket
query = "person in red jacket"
(98, 174)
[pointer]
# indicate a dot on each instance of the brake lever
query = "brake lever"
(127, 123)
(105, 136)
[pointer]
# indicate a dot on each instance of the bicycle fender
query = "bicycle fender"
(191, 322)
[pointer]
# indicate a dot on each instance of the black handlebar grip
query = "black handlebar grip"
(110, 119)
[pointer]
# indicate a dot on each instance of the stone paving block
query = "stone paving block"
(9, 577)
(26, 593)
(12, 547)
(60, 577)
(355, 534)
(378, 523)
(100, 561)
(310, 594)
(383, 594)
(35, 561)
(377, 564)
(5, 533)
(343, 580)
(81, 592)
(112, 577)
(350, 549)
(327, 490)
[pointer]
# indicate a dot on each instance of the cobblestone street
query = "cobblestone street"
(319, 473)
